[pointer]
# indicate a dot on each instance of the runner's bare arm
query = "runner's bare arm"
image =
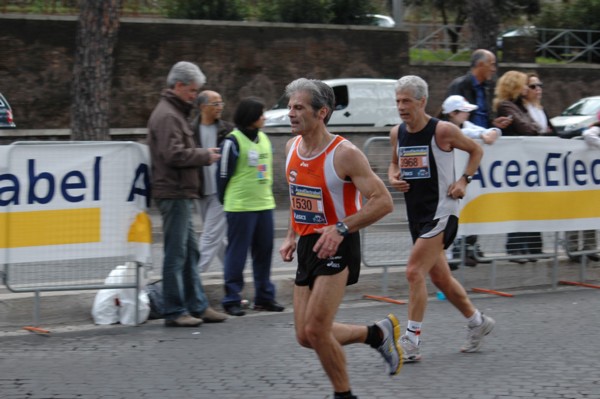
(394, 174)
(351, 162)
(449, 137)
(289, 243)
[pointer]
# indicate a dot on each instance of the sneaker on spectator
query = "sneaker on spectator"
(475, 334)
(389, 348)
(411, 352)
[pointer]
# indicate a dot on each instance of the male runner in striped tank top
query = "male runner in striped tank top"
(422, 168)
(327, 176)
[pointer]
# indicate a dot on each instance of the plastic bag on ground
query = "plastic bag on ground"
(118, 305)
(105, 309)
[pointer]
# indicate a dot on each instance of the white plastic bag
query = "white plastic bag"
(105, 309)
(127, 297)
(118, 305)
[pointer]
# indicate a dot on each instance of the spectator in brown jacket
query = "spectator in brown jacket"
(176, 159)
(511, 91)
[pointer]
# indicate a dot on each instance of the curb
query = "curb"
(74, 307)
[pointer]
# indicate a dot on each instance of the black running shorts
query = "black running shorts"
(447, 225)
(309, 266)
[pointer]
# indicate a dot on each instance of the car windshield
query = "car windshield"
(340, 93)
(583, 107)
(282, 103)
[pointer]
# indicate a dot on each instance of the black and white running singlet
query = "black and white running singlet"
(429, 170)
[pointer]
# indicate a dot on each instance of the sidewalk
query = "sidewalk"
(256, 356)
(74, 307)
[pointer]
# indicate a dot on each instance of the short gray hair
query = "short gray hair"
(186, 73)
(322, 94)
(201, 99)
(480, 55)
(413, 84)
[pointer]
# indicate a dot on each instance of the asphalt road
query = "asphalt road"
(545, 345)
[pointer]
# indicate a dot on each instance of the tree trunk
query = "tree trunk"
(92, 70)
(454, 38)
(484, 22)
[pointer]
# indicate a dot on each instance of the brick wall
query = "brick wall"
(239, 59)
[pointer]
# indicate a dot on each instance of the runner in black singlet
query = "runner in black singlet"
(422, 168)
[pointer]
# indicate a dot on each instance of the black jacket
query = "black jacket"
(463, 86)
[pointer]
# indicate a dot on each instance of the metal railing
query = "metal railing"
(568, 45)
(388, 242)
(564, 45)
(437, 40)
(64, 260)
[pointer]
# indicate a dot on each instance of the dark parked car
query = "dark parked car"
(6, 116)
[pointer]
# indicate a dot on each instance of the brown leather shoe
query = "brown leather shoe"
(211, 316)
(183, 321)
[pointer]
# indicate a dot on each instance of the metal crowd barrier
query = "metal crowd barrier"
(79, 269)
(388, 243)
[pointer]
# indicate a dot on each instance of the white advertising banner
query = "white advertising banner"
(74, 200)
(532, 184)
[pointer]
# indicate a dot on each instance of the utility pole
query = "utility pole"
(398, 12)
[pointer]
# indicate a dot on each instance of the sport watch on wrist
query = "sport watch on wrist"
(468, 178)
(342, 229)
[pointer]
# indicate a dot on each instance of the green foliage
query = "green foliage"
(266, 10)
(515, 8)
(579, 14)
(434, 56)
(296, 11)
(304, 11)
(351, 11)
(220, 10)
(316, 11)
(457, 9)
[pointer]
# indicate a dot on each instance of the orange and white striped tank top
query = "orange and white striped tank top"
(318, 196)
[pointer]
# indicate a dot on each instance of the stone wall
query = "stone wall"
(239, 59)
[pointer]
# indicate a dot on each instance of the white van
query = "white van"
(358, 102)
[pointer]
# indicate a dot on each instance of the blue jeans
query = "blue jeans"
(182, 286)
(254, 231)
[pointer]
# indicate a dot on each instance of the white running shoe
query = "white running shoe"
(411, 352)
(389, 348)
(475, 334)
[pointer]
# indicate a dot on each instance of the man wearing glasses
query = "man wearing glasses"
(477, 88)
(210, 131)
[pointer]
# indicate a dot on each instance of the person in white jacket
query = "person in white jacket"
(587, 241)
(456, 110)
(592, 135)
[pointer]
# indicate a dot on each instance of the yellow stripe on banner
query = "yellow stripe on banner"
(141, 229)
(556, 205)
(57, 227)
